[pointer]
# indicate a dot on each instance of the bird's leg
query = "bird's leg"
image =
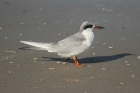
(76, 62)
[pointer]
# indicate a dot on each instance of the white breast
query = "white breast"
(89, 35)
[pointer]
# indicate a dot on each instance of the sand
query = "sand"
(112, 65)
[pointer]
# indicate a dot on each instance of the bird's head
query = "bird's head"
(87, 25)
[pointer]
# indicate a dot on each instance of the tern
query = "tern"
(72, 45)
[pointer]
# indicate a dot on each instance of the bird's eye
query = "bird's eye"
(88, 26)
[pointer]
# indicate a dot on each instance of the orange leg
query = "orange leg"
(76, 62)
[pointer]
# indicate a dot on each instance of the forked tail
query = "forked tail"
(37, 45)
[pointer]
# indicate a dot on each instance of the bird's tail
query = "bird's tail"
(36, 45)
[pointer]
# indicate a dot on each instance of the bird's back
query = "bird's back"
(70, 46)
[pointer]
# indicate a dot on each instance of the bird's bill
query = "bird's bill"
(98, 27)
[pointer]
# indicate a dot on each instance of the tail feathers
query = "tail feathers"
(37, 45)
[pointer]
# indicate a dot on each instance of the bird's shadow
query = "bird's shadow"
(96, 59)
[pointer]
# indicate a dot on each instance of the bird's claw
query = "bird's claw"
(81, 65)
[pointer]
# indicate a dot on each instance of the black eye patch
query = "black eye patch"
(88, 26)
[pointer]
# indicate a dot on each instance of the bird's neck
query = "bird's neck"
(89, 35)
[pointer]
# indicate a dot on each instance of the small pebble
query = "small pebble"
(64, 63)
(20, 34)
(126, 61)
(35, 58)
(11, 62)
(68, 68)
(121, 83)
(138, 57)
(103, 68)
(0, 28)
(58, 62)
(6, 38)
(76, 80)
(127, 64)
(44, 23)
(104, 43)
(103, 9)
(40, 80)
(10, 51)
(41, 70)
(110, 47)
(133, 75)
(22, 23)
(51, 68)
(91, 77)
(93, 53)
(6, 57)
(42, 62)
(9, 71)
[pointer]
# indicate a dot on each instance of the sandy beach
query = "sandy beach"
(112, 65)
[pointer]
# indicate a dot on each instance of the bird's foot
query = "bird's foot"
(77, 63)
(80, 65)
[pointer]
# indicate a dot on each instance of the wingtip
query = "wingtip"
(21, 41)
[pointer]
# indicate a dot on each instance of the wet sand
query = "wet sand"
(112, 66)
